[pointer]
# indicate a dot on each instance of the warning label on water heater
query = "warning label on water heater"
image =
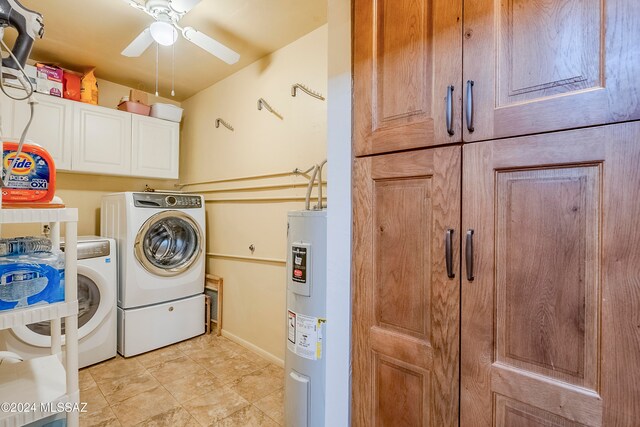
(305, 335)
(299, 269)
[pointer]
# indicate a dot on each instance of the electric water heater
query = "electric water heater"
(306, 311)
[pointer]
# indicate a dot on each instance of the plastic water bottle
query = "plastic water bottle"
(24, 245)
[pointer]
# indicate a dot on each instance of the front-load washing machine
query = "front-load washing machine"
(161, 242)
(97, 283)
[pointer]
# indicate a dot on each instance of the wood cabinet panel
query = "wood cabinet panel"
(547, 65)
(406, 54)
(155, 147)
(405, 307)
(548, 317)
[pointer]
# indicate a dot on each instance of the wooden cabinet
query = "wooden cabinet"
(550, 331)
(407, 53)
(155, 148)
(529, 67)
(102, 140)
(51, 128)
(547, 65)
(405, 305)
(549, 294)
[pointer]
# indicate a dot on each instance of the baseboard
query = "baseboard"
(270, 357)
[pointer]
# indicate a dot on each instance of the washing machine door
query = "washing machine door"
(95, 301)
(168, 243)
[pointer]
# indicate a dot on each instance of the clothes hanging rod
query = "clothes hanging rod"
(296, 171)
(265, 104)
(306, 90)
(259, 199)
(252, 188)
(247, 258)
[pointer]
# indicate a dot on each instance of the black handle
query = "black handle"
(449, 112)
(469, 255)
(448, 252)
(470, 105)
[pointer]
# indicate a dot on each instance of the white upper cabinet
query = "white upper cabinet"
(51, 128)
(92, 139)
(102, 140)
(155, 147)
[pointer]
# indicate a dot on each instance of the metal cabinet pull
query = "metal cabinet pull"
(468, 254)
(448, 252)
(449, 112)
(470, 105)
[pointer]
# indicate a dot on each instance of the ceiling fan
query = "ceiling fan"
(164, 30)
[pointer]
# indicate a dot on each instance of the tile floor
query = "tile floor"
(205, 381)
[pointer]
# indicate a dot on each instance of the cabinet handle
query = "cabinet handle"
(468, 254)
(448, 252)
(470, 105)
(449, 112)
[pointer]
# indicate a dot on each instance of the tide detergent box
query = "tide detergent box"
(27, 280)
(32, 177)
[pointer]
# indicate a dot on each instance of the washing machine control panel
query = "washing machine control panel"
(92, 249)
(159, 200)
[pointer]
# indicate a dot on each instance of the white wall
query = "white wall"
(261, 143)
(337, 409)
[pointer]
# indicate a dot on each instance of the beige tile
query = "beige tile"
(247, 417)
(116, 368)
(195, 344)
(94, 399)
(102, 418)
(215, 406)
(193, 385)
(233, 368)
(172, 370)
(119, 389)
(85, 379)
(144, 406)
(156, 357)
(175, 417)
(254, 357)
(258, 384)
(210, 357)
(273, 406)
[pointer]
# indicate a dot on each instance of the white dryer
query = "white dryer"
(161, 243)
(97, 280)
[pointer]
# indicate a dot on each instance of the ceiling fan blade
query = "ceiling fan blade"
(210, 45)
(183, 6)
(139, 44)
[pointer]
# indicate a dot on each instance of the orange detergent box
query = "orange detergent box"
(33, 176)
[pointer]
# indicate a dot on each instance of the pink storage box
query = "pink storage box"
(134, 107)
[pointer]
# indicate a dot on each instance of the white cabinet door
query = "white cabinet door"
(51, 128)
(156, 145)
(102, 140)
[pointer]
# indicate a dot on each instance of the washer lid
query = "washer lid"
(168, 243)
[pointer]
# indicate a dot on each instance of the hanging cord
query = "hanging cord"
(28, 87)
(173, 69)
(157, 61)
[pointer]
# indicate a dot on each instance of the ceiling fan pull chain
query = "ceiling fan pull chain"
(173, 69)
(157, 60)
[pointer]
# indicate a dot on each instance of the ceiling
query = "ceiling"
(84, 33)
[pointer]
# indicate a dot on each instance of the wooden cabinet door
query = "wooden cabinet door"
(405, 55)
(405, 307)
(51, 128)
(156, 146)
(550, 322)
(102, 140)
(547, 65)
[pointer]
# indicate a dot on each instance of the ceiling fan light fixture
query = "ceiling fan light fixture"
(164, 33)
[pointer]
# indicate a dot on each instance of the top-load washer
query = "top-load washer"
(161, 241)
